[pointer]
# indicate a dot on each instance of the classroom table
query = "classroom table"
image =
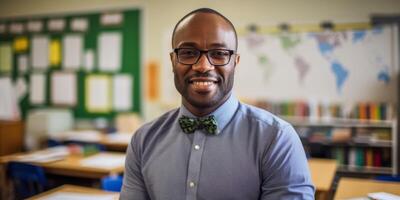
(116, 141)
(69, 191)
(111, 141)
(323, 172)
(359, 188)
(95, 166)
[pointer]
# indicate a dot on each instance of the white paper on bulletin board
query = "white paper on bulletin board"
(98, 93)
(63, 88)
(109, 51)
(37, 88)
(22, 63)
(9, 104)
(6, 58)
(72, 51)
(122, 92)
(40, 52)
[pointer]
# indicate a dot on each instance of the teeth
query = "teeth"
(202, 83)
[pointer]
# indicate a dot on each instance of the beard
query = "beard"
(207, 100)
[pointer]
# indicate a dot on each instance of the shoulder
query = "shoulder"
(266, 126)
(261, 117)
(153, 127)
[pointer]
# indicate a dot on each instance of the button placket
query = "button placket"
(194, 165)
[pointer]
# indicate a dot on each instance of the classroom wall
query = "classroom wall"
(160, 15)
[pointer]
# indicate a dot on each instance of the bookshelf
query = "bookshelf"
(358, 145)
(363, 139)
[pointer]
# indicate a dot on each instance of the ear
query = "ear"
(172, 57)
(237, 59)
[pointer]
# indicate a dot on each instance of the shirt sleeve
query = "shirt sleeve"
(285, 172)
(133, 184)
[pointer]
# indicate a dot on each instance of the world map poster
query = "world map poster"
(345, 66)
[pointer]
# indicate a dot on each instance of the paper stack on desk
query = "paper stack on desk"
(48, 155)
(104, 161)
(383, 196)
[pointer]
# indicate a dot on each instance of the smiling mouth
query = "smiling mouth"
(203, 86)
(203, 83)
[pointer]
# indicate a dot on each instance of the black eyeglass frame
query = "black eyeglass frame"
(231, 52)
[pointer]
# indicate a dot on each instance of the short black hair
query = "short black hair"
(205, 10)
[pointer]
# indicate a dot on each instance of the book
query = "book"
(360, 157)
(369, 158)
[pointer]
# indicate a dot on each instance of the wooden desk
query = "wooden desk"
(11, 137)
(78, 190)
(354, 187)
(322, 173)
(72, 165)
(114, 141)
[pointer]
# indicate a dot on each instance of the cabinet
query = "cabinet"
(11, 137)
(359, 146)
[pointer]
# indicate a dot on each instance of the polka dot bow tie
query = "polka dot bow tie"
(189, 125)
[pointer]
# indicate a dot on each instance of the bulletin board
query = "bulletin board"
(89, 63)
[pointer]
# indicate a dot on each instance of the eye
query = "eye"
(188, 52)
(219, 53)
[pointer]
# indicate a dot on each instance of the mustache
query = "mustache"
(203, 75)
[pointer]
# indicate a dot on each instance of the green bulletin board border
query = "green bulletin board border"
(130, 61)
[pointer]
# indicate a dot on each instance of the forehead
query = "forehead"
(204, 31)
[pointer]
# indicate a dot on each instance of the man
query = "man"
(213, 147)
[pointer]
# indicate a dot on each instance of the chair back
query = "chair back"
(392, 178)
(27, 179)
(53, 143)
(112, 183)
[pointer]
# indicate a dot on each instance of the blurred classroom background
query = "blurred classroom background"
(77, 78)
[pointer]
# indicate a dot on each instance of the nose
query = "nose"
(203, 64)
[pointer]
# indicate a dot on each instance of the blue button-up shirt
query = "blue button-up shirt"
(255, 155)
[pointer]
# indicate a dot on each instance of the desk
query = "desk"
(93, 167)
(116, 141)
(79, 166)
(77, 190)
(11, 137)
(113, 141)
(355, 187)
(322, 174)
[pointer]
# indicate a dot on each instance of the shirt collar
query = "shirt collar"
(222, 114)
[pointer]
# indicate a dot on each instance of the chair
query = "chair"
(27, 179)
(53, 143)
(112, 183)
(395, 178)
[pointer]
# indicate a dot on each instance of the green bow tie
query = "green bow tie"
(189, 125)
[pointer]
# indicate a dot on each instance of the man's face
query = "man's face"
(202, 85)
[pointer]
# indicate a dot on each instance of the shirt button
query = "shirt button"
(197, 147)
(191, 184)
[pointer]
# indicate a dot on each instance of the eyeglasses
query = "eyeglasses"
(216, 57)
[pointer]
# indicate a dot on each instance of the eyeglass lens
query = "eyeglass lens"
(191, 56)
